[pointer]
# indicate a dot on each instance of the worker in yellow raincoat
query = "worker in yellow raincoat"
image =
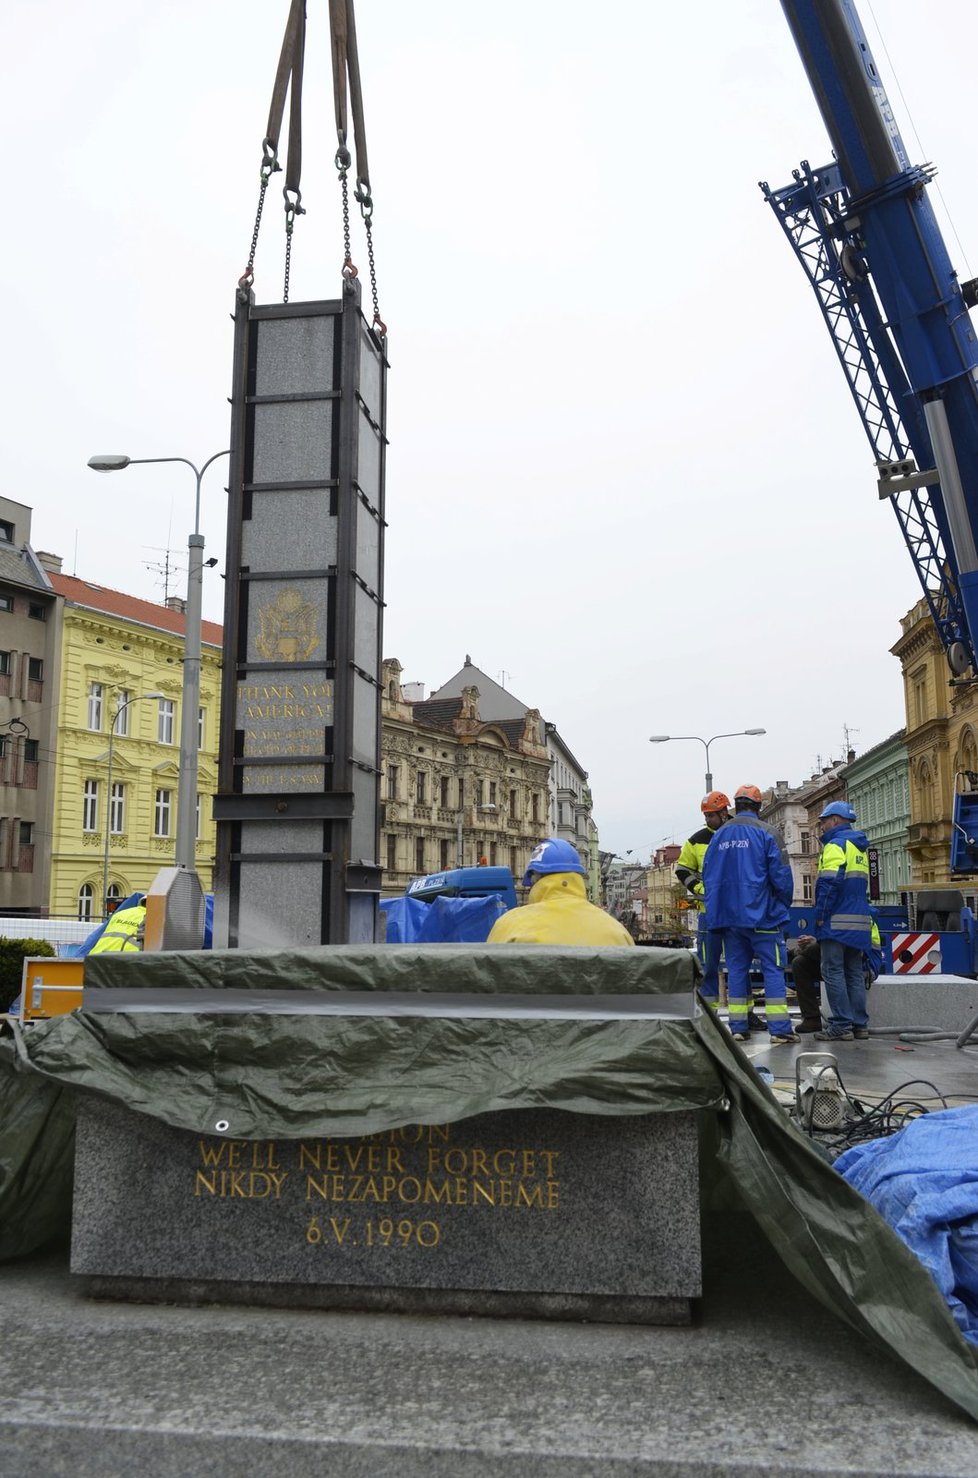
(557, 910)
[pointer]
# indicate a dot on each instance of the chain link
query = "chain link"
(289, 223)
(342, 162)
(379, 323)
(269, 165)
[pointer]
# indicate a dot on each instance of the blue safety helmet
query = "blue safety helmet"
(842, 809)
(553, 855)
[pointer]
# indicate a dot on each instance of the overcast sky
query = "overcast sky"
(625, 473)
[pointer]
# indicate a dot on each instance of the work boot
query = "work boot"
(861, 1033)
(754, 1023)
(827, 1036)
(784, 1039)
(815, 1025)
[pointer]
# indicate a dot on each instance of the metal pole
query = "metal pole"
(186, 840)
(185, 851)
(108, 816)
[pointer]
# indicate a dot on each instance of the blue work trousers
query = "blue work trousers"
(741, 947)
(709, 948)
(845, 985)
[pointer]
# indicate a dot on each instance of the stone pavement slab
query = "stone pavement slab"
(765, 1382)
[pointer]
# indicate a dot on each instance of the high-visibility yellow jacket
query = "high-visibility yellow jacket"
(842, 887)
(557, 911)
(689, 864)
(124, 931)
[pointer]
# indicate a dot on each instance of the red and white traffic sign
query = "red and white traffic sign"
(916, 954)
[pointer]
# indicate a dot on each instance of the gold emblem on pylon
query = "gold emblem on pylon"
(289, 628)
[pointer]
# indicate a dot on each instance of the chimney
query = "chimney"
(850, 756)
(50, 562)
(176, 603)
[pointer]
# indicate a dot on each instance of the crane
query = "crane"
(865, 232)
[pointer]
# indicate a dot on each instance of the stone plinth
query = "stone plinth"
(530, 1213)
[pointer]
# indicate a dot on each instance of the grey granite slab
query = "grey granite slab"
(765, 1382)
(542, 1212)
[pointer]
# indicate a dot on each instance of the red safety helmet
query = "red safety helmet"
(715, 801)
(748, 793)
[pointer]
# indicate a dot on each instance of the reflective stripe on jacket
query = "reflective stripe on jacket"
(842, 888)
(747, 876)
(557, 912)
(124, 931)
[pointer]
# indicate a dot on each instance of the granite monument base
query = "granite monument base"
(533, 1213)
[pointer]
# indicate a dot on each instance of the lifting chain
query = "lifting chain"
(268, 167)
(362, 196)
(343, 161)
(293, 208)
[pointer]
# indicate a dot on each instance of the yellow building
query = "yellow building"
(942, 725)
(118, 746)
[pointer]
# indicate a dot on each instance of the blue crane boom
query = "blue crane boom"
(865, 232)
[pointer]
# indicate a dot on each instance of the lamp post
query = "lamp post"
(113, 729)
(186, 840)
(666, 738)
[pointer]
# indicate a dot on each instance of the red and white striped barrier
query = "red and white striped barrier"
(916, 954)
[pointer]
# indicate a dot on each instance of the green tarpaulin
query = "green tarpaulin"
(298, 1075)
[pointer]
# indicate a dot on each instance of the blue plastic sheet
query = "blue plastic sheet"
(924, 1182)
(443, 921)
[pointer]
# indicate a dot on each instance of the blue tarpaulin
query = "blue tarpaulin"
(924, 1182)
(442, 921)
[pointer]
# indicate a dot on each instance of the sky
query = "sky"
(624, 474)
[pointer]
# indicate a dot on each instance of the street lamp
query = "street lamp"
(186, 840)
(113, 730)
(665, 739)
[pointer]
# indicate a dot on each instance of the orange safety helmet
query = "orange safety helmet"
(715, 801)
(748, 793)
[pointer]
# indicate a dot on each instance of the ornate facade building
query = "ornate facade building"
(457, 788)
(942, 724)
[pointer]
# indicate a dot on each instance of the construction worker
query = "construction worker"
(749, 888)
(689, 871)
(124, 931)
(557, 910)
(843, 925)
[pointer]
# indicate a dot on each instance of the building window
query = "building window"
(492, 854)
(422, 789)
(461, 792)
(512, 861)
(90, 806)
(393, 774)
(86, 897)
(32, 750)
(26, 833)
(535, 807)
(37, 612)
(444, 790)
(419, 854)
(6, 602)
(512, 805)
(6, 532)
(35, 669)
(164, 725)
(113, 898)
(806, 844)
(4, 664)
(807, 892)
(96, 694)
(480, 792)
(443, 859)
(391, 852)
(197, 818)
(121, 722)
(201, 728)
(117, 809)
(492, 792)
(161, 817)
